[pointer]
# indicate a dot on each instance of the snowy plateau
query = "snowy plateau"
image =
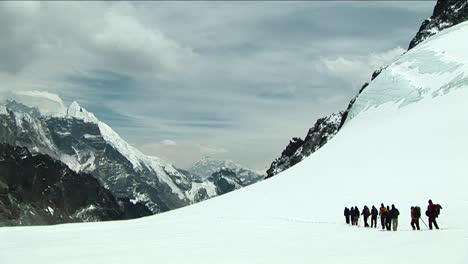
(404, 143)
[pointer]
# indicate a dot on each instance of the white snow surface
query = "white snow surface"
(387, 153)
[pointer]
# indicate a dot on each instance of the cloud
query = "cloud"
(211, 150)
(215, 77)
(130, 46)
(168, 143)
(46, 102)
(108, 36)
(357, 69)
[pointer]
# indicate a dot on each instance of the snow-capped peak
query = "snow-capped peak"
(205, 167)
(78, 112)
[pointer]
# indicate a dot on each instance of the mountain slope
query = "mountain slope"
(395, 151)
(298, 149)
(446, 14)
(85, 144)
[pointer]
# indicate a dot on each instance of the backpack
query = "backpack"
(366, 212)
(437, 210)
(383, 211)
(417, 212)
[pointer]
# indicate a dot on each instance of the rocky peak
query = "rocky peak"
(446, 13)
(297, 149)
(78, 112)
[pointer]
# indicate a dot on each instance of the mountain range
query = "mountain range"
(86, 145)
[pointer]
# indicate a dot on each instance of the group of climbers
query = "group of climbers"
(389, 216)
(432, 212)
(352, 215)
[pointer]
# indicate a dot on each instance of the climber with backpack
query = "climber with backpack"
(374, 214)
(432, 212)
(356, 215)
(383, 215)
(415, 215)
(366, 214)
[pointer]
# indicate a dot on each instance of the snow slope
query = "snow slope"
(428, 70)
(390, 152)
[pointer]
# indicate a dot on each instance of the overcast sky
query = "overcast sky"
(181, 80)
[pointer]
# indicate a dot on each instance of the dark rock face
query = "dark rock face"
(36, 189)
(211, 177)
(446, 13)
(297, 149)
(226, 181)
(201, 195)
(223, 181)
(351, 103)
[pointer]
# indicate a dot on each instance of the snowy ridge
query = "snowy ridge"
(82, 142)
(78, 112)
(431, 69)
(205, 167)
(136, 157)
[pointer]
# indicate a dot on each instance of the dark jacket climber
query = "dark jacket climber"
(366, 213)
(394, 213)
(374, 214)
(347, 215)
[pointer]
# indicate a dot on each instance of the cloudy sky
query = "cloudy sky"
(181, 80)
